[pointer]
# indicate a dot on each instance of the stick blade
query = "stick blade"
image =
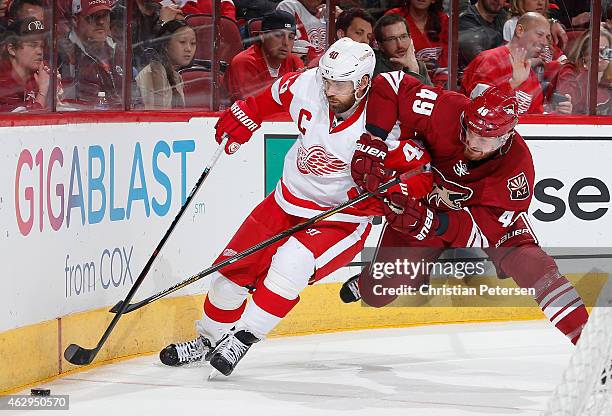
(129, 308)
(117, 307)
(77, 355)
(133, 306)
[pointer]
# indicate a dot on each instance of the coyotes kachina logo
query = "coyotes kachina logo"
(519, 187)
(447, 193)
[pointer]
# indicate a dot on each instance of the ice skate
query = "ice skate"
(186, 352)
(230, 350)
(349, 292)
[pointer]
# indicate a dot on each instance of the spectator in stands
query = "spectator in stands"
(520, 7)
(20, 9)
(551, 58)
(429, 31)
(97, 63)
(24, 77)
(253, 70)
(509, 68)
(355, 23)
(160, 84)
(574, 13)
(480, 28)
(228, 9)
(311, 26)
(574, 76)
(395, 48)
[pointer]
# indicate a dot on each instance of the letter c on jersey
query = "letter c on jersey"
(303, 114)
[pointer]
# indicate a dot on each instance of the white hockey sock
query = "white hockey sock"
(212, 329)
(257, 321)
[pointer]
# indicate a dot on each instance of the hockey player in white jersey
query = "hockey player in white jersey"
(327, 104)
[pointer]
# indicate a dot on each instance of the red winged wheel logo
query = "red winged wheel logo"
(317, 161)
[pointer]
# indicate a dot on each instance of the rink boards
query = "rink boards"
(83, 205)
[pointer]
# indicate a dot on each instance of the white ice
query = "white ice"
(464, 369)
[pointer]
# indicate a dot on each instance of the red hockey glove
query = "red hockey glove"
(409, 216)
(417, 186)
(367, 166)
(239, 122)
(370, 206)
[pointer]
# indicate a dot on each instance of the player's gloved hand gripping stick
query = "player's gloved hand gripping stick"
(82, 356)
(302, 226)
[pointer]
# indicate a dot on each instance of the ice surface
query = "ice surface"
(443, 370)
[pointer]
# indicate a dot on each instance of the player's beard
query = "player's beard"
(475, 155)
(339, 106)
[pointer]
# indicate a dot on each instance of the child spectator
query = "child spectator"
(574, 76)
(160, 84)
(253, 70)
(24, 78)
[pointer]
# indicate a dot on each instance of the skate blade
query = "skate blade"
(213, 374)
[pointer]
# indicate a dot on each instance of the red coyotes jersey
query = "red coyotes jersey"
(485, 198)
(493, 67)
(317, 168)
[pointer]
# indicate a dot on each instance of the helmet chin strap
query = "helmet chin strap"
(351, 110)
(358, 99)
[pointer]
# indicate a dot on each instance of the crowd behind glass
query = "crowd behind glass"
(101, 55)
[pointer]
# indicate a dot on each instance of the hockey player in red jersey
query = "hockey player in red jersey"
(328, 105)
(483, 185)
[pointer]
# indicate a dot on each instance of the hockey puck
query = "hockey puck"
(40, 392)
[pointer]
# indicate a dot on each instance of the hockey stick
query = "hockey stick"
(288, 232)
(82, 356)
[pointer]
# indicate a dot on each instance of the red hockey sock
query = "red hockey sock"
(531, 267)
(271, 302)
(222, 315)
(563, 306)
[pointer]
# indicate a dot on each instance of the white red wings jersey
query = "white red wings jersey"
(317, 168)
(491, 195)
(310, 28)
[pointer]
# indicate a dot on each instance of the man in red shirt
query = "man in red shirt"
(255, 69)
(483, 185)
(508, 67)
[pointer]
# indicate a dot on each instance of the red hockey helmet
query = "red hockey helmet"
(491, 114)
